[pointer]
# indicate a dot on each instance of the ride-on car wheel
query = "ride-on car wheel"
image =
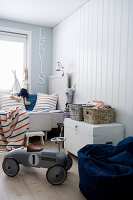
(56, 175)
(69, 163)
(10, 167)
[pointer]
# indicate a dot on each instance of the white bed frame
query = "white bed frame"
(47, 121)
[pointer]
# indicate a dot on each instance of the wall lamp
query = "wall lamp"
(60, 68)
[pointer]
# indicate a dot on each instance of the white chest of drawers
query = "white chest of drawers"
(79, 133)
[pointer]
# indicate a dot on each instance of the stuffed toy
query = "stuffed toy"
(16, 86)
(24, 91)
(70, 93)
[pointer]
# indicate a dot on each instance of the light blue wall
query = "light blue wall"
(35, 61)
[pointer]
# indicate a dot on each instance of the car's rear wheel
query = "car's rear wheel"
(10, 167)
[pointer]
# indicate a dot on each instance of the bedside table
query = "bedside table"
(79, 133)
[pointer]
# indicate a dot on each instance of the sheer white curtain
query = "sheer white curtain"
(12, 56)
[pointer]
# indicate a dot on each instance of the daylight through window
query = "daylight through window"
(12, 56)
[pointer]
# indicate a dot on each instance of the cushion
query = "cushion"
(32, 99)
(7, 103)
(45, 101)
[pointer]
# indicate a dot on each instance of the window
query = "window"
(13, 55)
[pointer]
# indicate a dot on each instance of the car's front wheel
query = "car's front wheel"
(10, 167)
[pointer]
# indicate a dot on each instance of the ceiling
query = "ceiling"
(39, 12)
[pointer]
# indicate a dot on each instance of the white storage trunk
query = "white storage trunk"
(78, 134)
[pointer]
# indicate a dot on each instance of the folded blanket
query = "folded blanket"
(13, 126)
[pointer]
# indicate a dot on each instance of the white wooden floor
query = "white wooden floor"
(31, 184)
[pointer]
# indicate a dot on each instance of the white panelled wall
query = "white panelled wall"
(95, 45)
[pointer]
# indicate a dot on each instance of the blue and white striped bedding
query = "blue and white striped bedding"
(14, 123)
(45, 102)
(7, 103)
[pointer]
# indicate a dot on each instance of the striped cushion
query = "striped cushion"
(45, 101)
(7, 103)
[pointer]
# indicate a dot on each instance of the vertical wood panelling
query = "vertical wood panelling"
(84, 52)
(90, 47)
(123, 60)
(95, 46)
(75, 79)
(94, 49)
(104, 51)
(99, 49)
(81, 45)
(85, 75)
(129, 75)
(116, 56)
(74, 49)
(77, 72)
(110, 56)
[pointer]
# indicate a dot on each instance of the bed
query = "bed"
(16, 121)
(47, 120)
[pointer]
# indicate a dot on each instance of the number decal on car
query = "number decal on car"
(33, 159)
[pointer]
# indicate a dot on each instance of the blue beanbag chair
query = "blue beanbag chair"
(106, 172)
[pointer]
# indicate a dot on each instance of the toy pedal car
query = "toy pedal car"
(57, 162)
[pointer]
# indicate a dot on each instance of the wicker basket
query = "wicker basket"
(76, 112)
(98, 116)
